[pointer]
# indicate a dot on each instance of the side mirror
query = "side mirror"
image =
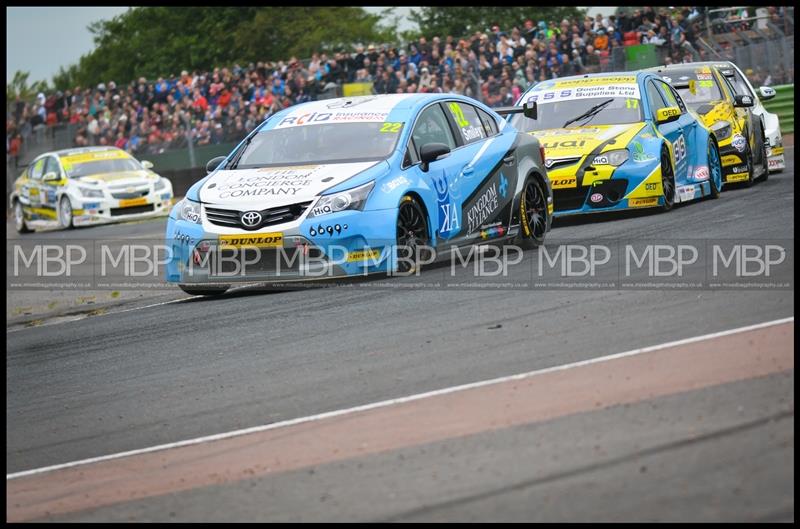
(530, 110)
(743, 101)
(430, 152)
(767, 93)
(146, 164)
(666, 115)
(213, 163)
(51, 177)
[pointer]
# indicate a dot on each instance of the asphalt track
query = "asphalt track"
(118, 382)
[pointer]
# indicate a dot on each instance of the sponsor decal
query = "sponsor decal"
(503, 187)
(638, 155)
(368, 254)
(256, 240)
(321, 229)
(730, 159)
(616, 89)
(182, 237)
(68, 161)
(491, 233)
(449, 222)
(596, 197)
(685, 193)
(739, 169)
(642, 202)
(482, 208)
(775, 163)
(701, 173)
(739, 177)
(130, 202)
(651, 186)
(391, 185)
(563, 182)
(704, 76)
(330, 117)
(739, 142)
(269, 181)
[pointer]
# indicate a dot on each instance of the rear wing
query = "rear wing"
(529, 110)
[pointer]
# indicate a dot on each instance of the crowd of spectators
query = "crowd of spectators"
(495, 66)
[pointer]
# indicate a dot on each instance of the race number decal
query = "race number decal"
(388, 126)
(680, 148)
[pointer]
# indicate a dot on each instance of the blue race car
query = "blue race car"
(617, 141)
(360, 185)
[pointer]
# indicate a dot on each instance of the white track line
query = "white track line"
(390, 402)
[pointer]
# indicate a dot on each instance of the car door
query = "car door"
(673, 130)
(432, 126)
(34, 184)
(48, 188)
(485, 189)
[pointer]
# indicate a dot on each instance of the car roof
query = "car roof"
(83, 150)
(684, 65)
(396, 107)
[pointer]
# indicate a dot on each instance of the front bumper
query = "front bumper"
(344, 244)
(91, 211)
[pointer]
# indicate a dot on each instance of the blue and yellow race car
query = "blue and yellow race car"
(617, 141)
(359, 185)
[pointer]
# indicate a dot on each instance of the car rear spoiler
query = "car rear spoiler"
(529, 110)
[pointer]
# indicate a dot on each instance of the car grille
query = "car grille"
(269, 217)
(561, 162)
(115, 212)
(132, 194)
(567, 199)
(269, 261)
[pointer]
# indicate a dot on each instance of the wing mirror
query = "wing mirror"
(767, 93)
(666, 115)
(213, 163)
(51, 177)
(146, 164)
(431, 152)
(743, 101)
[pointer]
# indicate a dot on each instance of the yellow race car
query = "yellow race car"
(87, 186)
(742, 143)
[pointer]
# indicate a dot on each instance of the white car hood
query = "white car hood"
(276, 186)
(119, 179)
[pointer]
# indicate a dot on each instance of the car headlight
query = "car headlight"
(161, 183)
(722, 129)
(189, 210)
(615, 158)
(94, 193)
(351, 199)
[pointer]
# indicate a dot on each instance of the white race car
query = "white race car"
(86, 186)
(772, 126)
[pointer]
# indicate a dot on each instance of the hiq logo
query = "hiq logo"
(449, 223)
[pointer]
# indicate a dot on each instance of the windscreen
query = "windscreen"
(705, 90)
(576, 113)
(77, 168)
(321, 143)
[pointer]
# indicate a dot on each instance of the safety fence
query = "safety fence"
(783, 105)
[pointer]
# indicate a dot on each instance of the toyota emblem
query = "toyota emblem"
(251, 218)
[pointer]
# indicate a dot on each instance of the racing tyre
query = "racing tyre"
(750, 166)
(532, 214)
(65, 212)
(204, 290)
(20, 224)
(667, 181)
(764, 161)
(714, 168)
(413, 239)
